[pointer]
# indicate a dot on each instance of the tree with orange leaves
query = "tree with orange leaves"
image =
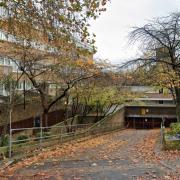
(47, 41)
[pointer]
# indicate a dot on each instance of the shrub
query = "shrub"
(175, 128)
(22, 139)
(4, 140)
(44, 135)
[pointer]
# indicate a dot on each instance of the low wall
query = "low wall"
(54, 117)
(118, 117)
(89, 119)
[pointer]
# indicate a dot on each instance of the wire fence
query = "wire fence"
(28, 139)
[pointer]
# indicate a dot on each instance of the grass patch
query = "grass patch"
(172, 145)
(174, 131)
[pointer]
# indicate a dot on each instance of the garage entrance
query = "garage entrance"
(147, 122)
(149, 116)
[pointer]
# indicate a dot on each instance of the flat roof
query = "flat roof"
(152, 105)
(151, 116)
(153, 99)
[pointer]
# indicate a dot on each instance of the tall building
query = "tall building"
(39, 45)
(14, 45)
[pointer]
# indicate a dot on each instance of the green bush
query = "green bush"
(172, 145)
(22, 139)
(44, 134)
(175, 128)
(4, 140)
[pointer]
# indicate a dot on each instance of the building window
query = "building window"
(20, 86)
(1, 61)
(161, 102)
(7, 62)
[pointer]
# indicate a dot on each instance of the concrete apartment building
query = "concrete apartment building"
(9, 66)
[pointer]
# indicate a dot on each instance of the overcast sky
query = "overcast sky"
(113, 26)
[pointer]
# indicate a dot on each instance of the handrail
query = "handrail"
(75, 130)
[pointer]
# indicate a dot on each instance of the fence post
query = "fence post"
(41, 132)
(162, 132)
(10, 121)
(61, 134)
(87, 132)
(75, 129)
(10, 143)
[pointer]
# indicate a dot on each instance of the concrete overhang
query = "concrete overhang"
(150, 116)
(153, 105)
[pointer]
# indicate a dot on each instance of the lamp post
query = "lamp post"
(10, 119)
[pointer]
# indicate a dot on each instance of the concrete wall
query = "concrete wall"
(151, 110)
(149, 116)
(88, 119)
(32, 109)
(118, 117)
(24, 118)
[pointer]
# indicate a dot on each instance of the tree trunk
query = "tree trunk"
(5, 123)
(67, 126)
(177, 91)
(46, 118)
(178, 111)
(97, 115)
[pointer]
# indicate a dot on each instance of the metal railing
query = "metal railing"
(37, 135)
(162, 133)
(46, 136)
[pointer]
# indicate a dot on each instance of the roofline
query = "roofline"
(154, 99)
(152, 105)
(150, 116)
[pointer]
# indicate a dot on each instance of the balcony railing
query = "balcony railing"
(5, 70)
(4, 36)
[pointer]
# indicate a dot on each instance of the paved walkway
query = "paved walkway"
(116, 156)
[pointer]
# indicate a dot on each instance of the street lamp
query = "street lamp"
(10, 118)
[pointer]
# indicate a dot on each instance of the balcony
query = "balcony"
(5, 70)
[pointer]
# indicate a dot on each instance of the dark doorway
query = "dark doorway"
(146, 122)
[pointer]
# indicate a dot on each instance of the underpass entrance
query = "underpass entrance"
(149, 116)
(146, 122)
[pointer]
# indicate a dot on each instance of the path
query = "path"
(127, 154)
